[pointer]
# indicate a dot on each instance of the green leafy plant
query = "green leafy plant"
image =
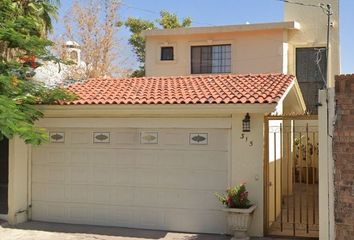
(23, 28)
(136, 26)
(235, 197)
(300, 148)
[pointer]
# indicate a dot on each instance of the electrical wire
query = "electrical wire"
(156, 13)
(323, 6)
(318, 61)
(138, 8)
(300, 3)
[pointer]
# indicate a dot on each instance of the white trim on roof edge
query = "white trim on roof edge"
(290, 25)
(132, 122)
(159, 110)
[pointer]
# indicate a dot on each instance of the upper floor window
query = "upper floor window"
(211, 59)
(311, 72)
(167, 54)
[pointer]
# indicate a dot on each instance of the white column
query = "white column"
(326, 181)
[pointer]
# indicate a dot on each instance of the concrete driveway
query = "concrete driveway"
(57, 231)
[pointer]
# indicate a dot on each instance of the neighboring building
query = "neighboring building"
(343, 155)
(54, 74)
(73, 52)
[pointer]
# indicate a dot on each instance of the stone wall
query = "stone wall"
(343, 155)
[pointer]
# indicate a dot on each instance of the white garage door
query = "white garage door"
(155, 179)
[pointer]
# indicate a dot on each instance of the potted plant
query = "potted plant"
(239, 210)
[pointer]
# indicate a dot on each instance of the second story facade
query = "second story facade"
(242, 49)
(295, 46)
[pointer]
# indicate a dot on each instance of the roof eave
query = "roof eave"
(157, 110)
(288, 25)
(299, 95)
(294, 85)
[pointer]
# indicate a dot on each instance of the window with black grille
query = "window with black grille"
(166, 53)
(211, 59)
(311, 73)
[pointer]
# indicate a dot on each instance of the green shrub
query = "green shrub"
(235, 197)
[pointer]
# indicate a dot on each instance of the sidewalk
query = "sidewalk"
(58, 231)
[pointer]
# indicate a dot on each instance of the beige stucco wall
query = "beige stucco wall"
(262, 51)
(247, 164)
(18, 181)
(313, 32)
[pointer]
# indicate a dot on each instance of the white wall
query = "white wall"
(326, 165)
(274, 170)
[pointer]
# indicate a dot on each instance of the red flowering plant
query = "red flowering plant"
(235, 197)
(29, 61)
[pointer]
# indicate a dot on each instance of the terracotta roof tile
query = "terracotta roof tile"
(200, 89)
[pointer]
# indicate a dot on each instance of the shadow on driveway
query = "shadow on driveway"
(59, 231)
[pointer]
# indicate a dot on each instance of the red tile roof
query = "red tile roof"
(194, 89)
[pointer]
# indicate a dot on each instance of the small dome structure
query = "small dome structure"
(73, 51)
(72, 44)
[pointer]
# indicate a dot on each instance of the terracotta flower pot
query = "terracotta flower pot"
(239, 220)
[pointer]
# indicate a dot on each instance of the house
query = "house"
(296, 46)
(151, 152)
(53, 74)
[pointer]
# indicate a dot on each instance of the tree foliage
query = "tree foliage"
(22, 40)
(91, 23)
(136, 26)
(43, 10)
(169, 20)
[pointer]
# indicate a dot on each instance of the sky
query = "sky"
(226, 12)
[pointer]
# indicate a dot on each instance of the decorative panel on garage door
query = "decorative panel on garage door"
(169, 185)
